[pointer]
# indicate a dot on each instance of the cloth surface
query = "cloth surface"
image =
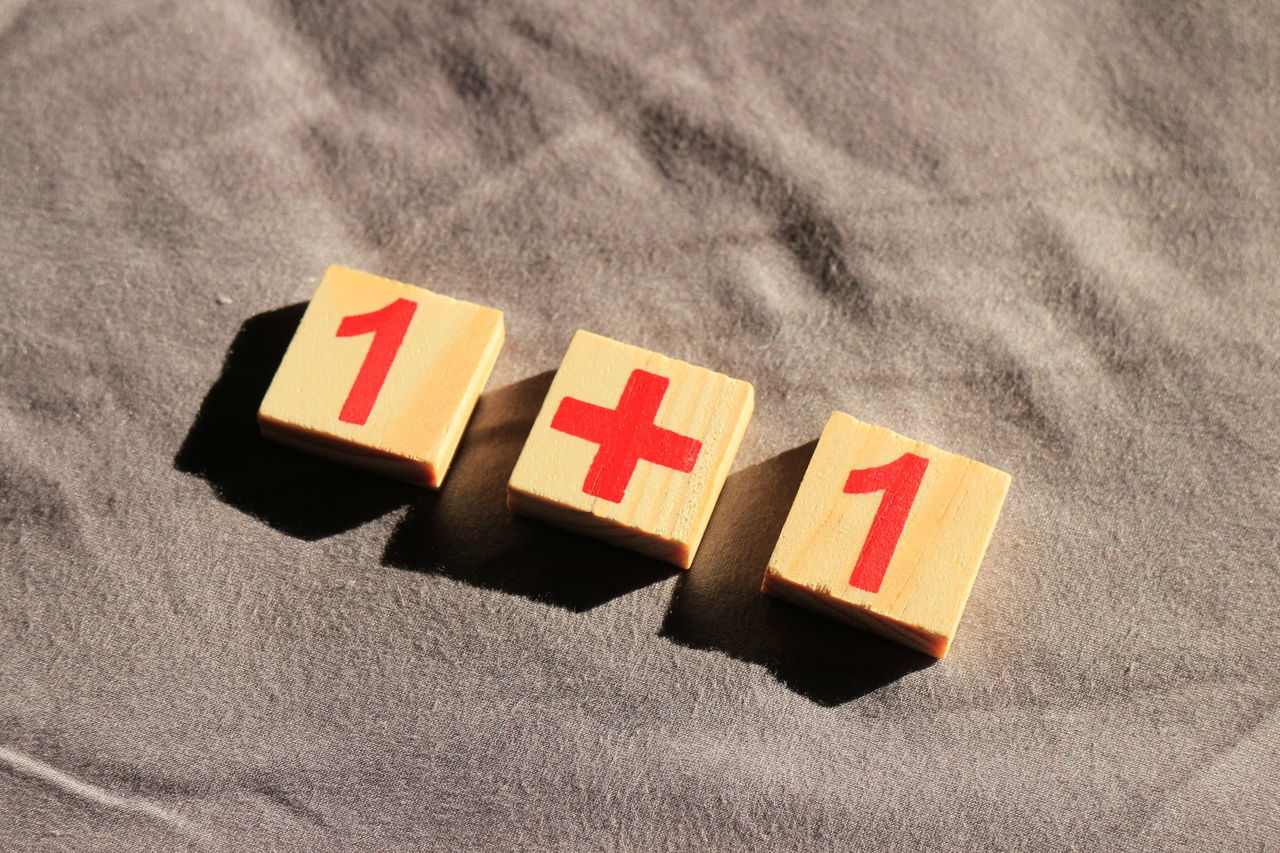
(1042, 235)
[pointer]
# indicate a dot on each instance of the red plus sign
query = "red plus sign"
(626, 435)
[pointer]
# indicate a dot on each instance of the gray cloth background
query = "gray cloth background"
(1042, 235)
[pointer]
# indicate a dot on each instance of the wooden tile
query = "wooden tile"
(631, 447)
(887, 533)
(382, 375)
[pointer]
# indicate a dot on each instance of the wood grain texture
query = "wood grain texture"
(661, 510)
(934, 562)
(422, 405)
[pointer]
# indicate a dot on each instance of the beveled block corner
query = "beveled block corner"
(382, 375)
(631, 447)
(887, 533)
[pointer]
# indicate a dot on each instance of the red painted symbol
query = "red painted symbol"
(626, 435)
(388, 325)
(899, 480)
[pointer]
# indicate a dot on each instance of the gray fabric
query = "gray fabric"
(1042, 235)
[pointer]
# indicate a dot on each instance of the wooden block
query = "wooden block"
(631, 447)
(382, 375)
(887, 533)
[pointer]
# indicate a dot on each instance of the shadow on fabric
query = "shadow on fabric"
(466, 532)
(305, 496)
(717, 605)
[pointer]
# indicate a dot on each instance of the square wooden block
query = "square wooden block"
(382, 375)
(887, 533)
(631, 447)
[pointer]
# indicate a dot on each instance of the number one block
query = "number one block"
(887, 533)
(631, 447)
(382, 375)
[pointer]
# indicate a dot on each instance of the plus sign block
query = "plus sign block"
(887, 533)
(631, 447)
(382, 375)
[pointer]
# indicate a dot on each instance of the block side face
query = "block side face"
(586, 524)
(670, 504)
(426, 386)
(350, 454)
(907, 635)
(935, 560)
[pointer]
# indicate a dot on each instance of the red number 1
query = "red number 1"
(388, 325)
(899, 480)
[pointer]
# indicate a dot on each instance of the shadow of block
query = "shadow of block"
(717, 605)
(304, 496)
(466, 532)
